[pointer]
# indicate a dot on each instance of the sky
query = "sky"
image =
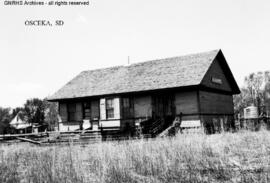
(37, 61)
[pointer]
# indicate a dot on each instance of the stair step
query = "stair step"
(91, 138)
(90, 134)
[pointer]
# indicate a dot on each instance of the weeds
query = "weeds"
(238, 157)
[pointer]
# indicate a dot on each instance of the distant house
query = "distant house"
(20, 124)
(197, 87)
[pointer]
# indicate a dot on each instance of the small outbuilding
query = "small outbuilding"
(20, 125)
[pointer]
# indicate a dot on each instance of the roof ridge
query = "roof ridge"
(174, 57)
(154, 60)
(105, 68)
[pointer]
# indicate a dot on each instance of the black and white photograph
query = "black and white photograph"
(134, 91)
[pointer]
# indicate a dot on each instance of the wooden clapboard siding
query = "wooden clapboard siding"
(217, 123)
(226, 119)
(215, 103)
(216, 71)
(186, 102)
(191, 117)
(142, 106)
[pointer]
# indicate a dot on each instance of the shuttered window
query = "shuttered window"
(109, 108)
(75, 112)
(72, 112)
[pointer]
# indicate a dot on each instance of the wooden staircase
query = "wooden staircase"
(172, 129)
(156, 127)
(94, 136)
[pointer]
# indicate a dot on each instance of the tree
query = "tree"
(267, 92)
(242, 100)
(51, 114)
(5, 118)
(255, 92)
(17, 110)
(35, 111)
(254, 83)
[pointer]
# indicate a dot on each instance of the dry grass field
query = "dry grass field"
(228, 157)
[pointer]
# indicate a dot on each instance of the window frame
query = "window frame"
(110, 109)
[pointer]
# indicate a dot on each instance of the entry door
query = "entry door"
(95, 114)
(163, 105)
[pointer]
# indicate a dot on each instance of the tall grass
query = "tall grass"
(238, 157)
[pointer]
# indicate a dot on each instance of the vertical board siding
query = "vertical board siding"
(216, 71)
(186, 102)
(157, 106)
(215, 103)
(163, 105)
(127, 112)
(142, 106)
(191, 117)
(95, 109)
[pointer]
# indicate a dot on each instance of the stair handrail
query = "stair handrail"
(156, 126)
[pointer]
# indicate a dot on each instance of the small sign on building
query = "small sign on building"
(216, 80)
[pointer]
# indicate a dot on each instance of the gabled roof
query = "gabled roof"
(18, 122)
(166, 73)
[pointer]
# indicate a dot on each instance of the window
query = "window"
(72, 112)
(109, 108)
